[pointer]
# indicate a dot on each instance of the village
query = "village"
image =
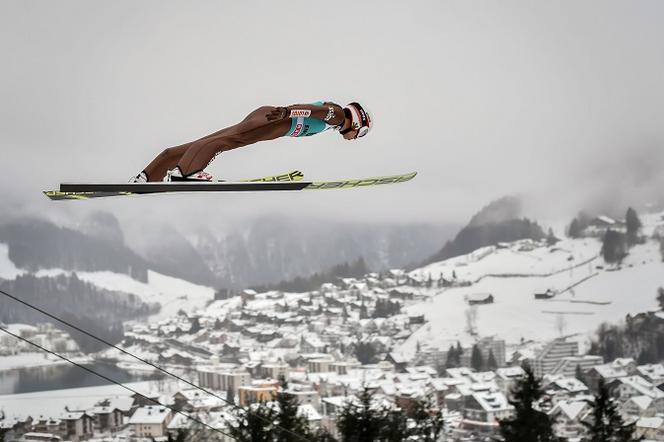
(326, 346)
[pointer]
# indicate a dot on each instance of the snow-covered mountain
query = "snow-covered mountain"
(588, 292)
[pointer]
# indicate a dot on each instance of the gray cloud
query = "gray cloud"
(560, 101)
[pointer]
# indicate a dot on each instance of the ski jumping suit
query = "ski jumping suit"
(195, 156)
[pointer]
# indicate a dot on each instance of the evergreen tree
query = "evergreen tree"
(364, 314)
(613, 246)
(660, 297)
(253, 424)
(289, 423)
(634, 225)
(606, 423)
(574, 230)
(195, 325)
(395, 427)
(492, 364)
(429, 422)
(181, 436)
(458, 353)
(551, 238)
(451, 358)
(361, 422)
(365, 352)
(476, 359)
(218, 325)
(527, 424)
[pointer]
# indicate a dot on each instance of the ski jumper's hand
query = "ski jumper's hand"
(277, 113)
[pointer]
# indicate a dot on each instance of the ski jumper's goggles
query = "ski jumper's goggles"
(360, 120)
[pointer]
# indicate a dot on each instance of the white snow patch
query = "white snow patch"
(33, 360)
(52, 403)
(172, 293)
(515, 314)
(8, 269)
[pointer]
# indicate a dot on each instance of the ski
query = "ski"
(66, 192)
(286, 182)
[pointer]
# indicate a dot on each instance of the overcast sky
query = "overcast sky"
(561, 101)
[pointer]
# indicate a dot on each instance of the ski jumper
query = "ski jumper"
(195, 156)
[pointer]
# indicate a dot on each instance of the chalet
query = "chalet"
(150, 421)
(482, 411)
(107, 418)
(638, 406)
(479, 298)
(567, 417)
(77, 425)
(545, 293)
(416, 319)
(649, 428)
(401, 295)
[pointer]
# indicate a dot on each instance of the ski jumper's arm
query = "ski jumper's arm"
(331, 113)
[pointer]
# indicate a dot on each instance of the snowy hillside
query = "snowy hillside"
(172, 293)
(589, 292)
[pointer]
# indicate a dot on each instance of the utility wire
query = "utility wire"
(169, 373)
(115, 382)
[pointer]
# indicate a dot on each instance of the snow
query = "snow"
(515, 314)
(33, 360)
(53, 402)
(7, 268)
(493, 261)
(172, 293)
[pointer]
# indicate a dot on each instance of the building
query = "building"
(261, 392)
(482, 411)
(567, 366)
(551, 355)
(479, 298)
(150, 421)
(77, 425)
(320, 365)
(223, 379)
(275, 371)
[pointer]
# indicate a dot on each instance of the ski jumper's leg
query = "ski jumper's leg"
(254, 128)
(166, 160)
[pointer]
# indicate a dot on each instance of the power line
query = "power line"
(179, 378)
(120, 384)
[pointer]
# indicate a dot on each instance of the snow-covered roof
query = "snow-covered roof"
(571, 409)
(650, 422)
(150, 415)
(492, 401)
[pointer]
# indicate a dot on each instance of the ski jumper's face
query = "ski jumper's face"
(350, 135)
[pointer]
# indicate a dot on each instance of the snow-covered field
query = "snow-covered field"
(607, 295)
(514, 260)
(33, 360)
(172, 293)
(52, 403)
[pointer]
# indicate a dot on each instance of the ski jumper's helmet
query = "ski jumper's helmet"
(360, 119)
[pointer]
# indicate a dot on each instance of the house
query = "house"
(482, 411)
(649, 428)
(545, 293)
(638, 406)
(260, 392)
(77, 425)
(150, 421)
(479, 298)
(107, 418)
(567, 417)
